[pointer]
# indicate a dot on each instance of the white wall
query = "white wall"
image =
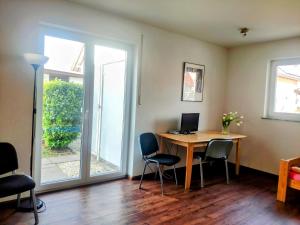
(164, 54)
(268, 140)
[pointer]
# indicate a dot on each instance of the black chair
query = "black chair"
(217, 149)
(14, 184)
(149, 148)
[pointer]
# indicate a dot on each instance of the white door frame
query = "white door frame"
(89, 41)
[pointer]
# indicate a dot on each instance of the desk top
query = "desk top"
(200, 136)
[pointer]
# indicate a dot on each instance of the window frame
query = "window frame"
(271, 91)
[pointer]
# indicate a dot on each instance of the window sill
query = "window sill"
(285, 120)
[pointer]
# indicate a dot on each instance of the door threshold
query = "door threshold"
(79, 185)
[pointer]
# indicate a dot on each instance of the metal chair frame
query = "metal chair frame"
(149, 161)
(206, 160)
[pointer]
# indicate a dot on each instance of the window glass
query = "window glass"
(287, 97)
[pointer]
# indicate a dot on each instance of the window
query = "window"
(284, 90)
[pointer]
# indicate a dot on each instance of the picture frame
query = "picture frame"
(192, 82)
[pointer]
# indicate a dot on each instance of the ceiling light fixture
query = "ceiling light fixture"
(244, 31)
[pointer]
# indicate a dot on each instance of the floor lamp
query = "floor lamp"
(35, 60)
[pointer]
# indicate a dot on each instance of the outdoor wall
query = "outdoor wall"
(268, 141)
(163, 56)
(113, 112)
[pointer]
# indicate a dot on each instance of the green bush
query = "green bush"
(62, 104)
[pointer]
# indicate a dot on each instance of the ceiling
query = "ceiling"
(215, 21)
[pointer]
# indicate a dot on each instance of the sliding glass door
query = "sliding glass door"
(84, 114)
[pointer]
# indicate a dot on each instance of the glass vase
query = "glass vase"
(225, 130)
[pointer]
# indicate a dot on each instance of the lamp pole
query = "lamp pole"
(35, 67)
(35, 60)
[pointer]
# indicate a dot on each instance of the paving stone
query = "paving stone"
(68, 166)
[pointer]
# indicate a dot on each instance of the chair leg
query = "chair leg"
(227, 174)
(36, 217)
(161, 179)
(201, 174)
(175, 175)
(18, 200)
(142, 175)
(155, 176)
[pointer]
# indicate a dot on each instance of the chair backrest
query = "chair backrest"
(148, 144)
(218, 148)
(8, 158)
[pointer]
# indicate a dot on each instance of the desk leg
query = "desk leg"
(237, 158)
(161, 145)
(189, 166)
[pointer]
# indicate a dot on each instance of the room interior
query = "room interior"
(149, 46)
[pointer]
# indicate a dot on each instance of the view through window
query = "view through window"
(64, 85)
(63, 95)
(284, 90)
(287, 98)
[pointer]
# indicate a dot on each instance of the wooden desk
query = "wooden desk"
(198, 139)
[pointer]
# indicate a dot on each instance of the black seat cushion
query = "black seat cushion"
(165, 159)
(15, 184)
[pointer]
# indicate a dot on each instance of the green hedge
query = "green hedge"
(62, 104)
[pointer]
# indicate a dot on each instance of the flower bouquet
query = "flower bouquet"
(228, 118)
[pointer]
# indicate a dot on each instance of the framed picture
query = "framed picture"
(193, 82)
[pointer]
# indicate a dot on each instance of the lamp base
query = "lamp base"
(26, 205)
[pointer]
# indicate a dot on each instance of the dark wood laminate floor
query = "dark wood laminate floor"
(249, 199)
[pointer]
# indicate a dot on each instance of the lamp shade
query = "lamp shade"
(35, 59)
